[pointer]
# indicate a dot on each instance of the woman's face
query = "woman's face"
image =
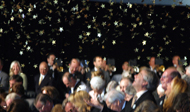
(15, 69)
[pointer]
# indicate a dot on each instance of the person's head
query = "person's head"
(104, 63)
(69, 79)
(147, 106)
(18, 89)
(97, 73)
(175, 87)
(124, 83)
(111, 85)
(97, 84)
(51, 91)
(15, 68)
(18, 105)
(126, 74)
(50, 59)
(125, 66)
(187, 70)
(175, 60)
(97, 61)
(57, 108)
(74, 65)
(168, 76)
(129, 92)
(13, 79)
(11, 97)
(1, 64)
(43, 103)
(145, 80)
(68, 106)
(43, 68)
(114, 100)
(152, 61)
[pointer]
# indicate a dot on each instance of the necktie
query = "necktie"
(133, 101)
(40, 80)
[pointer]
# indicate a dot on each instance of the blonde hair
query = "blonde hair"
(97, 73)
(11, 66)
(177, 86)
(77, 99)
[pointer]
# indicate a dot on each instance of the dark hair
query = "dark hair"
(18, 88)
(18, 105)
(16, 77)
(94, 59)
(50, 54)
(174, 74)
(43, 98)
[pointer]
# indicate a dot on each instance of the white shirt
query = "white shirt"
(139, 94)
(95, 69)
(81, 87)
(43, 76)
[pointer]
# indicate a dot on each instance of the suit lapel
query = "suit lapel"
(77, 85)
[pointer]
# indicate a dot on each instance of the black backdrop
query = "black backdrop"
(30, 29)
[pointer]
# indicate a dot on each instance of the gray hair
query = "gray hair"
(111, 85)
(151, 78)
(126, 74)
(114, 95)
(97, 83)
(12, 96)
(187, 79)
(130, 90)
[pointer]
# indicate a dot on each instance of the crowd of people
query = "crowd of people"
(96, 90)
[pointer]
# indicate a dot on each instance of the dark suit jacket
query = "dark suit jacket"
(4, 80)
(161, 102)
(47, 81)
(146, 96)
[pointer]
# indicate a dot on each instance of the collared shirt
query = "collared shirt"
(123, 105)
(72, 88)
(95, 69)
(139, 94)
(43, 76)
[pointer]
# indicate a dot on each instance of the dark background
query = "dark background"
(167, 29)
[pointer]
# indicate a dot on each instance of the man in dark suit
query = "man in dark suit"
(145, 82)
(97, 61)
(42, 79)
(4, 78)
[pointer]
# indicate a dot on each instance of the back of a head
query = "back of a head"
(51, 91)
(114, 95)
(18, 88)
(19, 105)
(43, 98)
(97, 83)
(111, 85)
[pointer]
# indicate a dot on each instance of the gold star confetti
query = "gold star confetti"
(136, 49)
(61, 29)
(185, 57)
(89, 26)
(167, 42)
(144, 42)
(103, 6)
(88, 33)
(22, 65)
(163, 26)
(21, 52)
(103, 23)
(99, 34)
(53, 42)
(35, 66)
(113, 42)
(1, 30)
(115, 23)
(12, 18)
(139, 57)
(146, 34)
(80, 36)
(166, 58)
(158, 55)
(185, 63)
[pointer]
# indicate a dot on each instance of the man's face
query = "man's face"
(66, 82)
(123, 84)
(152, 61)
(12, 82)
(166, 78)
(43, 69)
(98, 62)
(70, 108)
(139, 80)
(175, 60)
(51, 59)
(74, 66)
(125, 66)
(43, 108)
(16, 69)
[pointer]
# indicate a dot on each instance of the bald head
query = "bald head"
(43, 68)
(168, 76)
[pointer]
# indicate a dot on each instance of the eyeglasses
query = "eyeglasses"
(164, 77)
